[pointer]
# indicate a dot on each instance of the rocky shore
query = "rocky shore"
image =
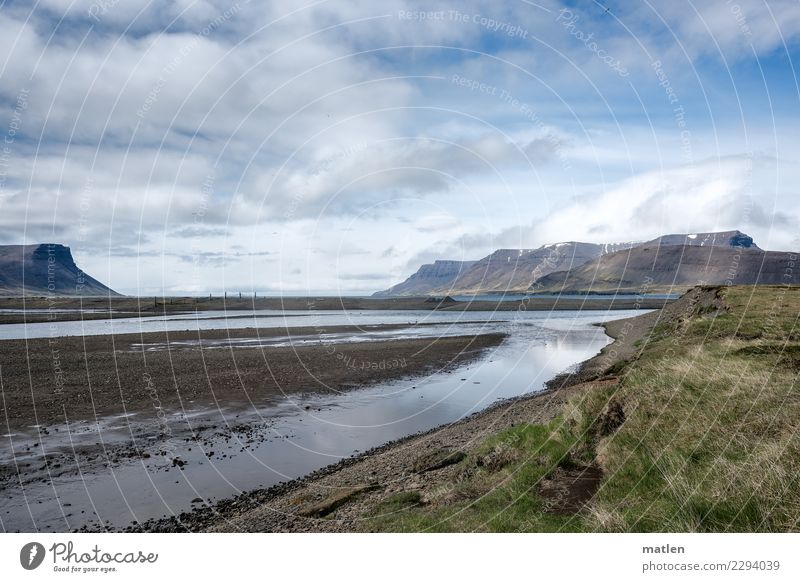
(62, 379)
(423, 467)
(341, 497)
(66, 383)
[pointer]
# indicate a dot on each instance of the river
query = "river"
(256, 448)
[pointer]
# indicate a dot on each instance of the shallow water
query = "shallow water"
(291, 437)
(264, 318)
(604, 297)
(321, 337)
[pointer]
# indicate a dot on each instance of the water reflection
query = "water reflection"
(294, 437)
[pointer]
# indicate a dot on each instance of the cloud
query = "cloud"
(197, 231)
(436, 222)
(325, 133)
(364, 277)
(734, 30)
(388, 172)
(712, 195)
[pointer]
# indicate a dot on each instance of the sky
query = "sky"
(331, 147)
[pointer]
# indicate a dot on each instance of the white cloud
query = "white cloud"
(337, 127)
(737, 29)
(709, 196)
(436, 222)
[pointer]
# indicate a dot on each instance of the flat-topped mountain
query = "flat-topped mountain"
(673, 268)
(504, 271)
(728, 238)
(544, 269)
(428, 277)
(514, 270)
(45, 269)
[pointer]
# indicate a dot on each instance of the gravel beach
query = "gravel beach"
(48, 381)
(341, 497)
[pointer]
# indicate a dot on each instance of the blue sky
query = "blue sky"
(194, 146)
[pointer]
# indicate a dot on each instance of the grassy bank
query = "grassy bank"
(698, 432)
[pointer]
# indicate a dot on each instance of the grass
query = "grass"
(494, 489)
(710, 440)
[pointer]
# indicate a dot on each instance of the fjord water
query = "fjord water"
(285, 439)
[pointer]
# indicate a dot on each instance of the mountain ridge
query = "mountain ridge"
(514, 270)
(522, 270)
(673, 268)
(45, 269)
(430, 275)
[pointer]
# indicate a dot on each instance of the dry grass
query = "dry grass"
(710, 439)
(713, 443)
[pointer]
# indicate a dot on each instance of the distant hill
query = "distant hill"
(44, 269)
(672, 268)
(526, 270)
(504, 271)
(428, 277)
(514, 270)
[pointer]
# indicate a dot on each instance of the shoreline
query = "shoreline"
(364, 479)
(151, 423)
(83, 378)
(389, 469)
(128, 307)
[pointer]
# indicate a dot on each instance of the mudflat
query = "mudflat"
(423, 468)
(47, 381)
(75, 308)
(493, 471)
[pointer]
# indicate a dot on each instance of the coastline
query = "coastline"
(76, 378)
(337, 497)
(344, 496)
(138, 402)
(51, 309)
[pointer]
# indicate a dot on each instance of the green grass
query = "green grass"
(711, 443)
(400, 501)
(495, 489)
(710, 439)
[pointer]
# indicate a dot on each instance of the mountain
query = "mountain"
(514, 270)
(44, 269)
(428, 277)
(504, 271)
(665, 267)
(524, 270)
(728, 238)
